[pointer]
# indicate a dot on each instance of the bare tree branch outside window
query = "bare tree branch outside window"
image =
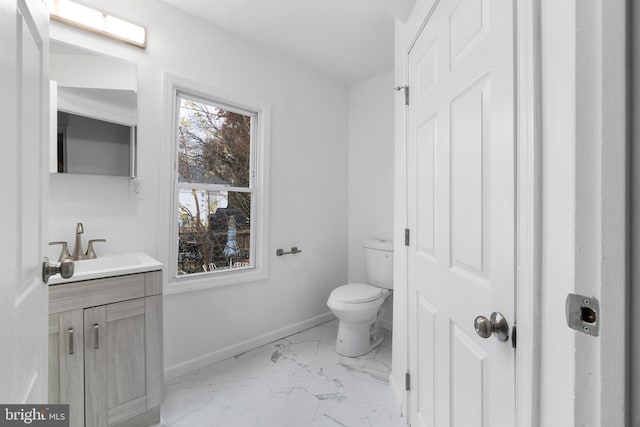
(214, 211)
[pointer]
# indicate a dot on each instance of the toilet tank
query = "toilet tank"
(378, 259)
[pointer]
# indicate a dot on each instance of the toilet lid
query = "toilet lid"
(356, 292)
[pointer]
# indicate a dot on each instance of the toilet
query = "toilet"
(358, 306)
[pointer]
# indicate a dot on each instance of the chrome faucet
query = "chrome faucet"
(77, 248)
(91, 254)
(78, 253)
(64, 252)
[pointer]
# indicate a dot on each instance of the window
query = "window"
(218, 202)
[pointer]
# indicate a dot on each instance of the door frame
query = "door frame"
(528, 212)
(603, 162)
(585, 144)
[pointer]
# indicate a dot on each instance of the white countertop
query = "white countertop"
(108, 266)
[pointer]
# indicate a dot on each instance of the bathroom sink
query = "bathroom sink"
(109, 266)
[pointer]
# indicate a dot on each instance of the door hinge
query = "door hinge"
(407, 381)
(514, 335)
(406, 237)
(406, 93)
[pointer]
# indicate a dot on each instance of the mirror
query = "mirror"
(93, 112)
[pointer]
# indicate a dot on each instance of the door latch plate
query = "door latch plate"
(583, 314)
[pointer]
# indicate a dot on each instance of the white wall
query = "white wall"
(370, 172)
(308, 176)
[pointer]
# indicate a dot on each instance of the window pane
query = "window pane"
(213, 145)
(214, 231)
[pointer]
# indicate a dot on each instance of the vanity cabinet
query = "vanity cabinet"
(105, 349)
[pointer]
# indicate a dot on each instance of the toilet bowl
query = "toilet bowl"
(358, 306)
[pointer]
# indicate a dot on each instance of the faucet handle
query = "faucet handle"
(91, 254)
(64, 253)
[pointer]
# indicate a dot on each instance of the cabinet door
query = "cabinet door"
(115, 365)
(95, 357)
(66, 363)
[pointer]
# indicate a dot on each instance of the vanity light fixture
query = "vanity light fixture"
(94, 21)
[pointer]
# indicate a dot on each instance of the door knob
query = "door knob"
(496, 325)
(65, 269)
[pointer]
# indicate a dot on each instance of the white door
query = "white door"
(461, 214)
(24, 122)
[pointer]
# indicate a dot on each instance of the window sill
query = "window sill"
(183, 284)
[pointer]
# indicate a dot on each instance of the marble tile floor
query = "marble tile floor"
(298, 381)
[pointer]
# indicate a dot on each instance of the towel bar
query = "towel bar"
(294, 250)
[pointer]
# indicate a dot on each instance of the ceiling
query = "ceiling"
(351, 40)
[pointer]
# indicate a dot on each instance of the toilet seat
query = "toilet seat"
(355, 293)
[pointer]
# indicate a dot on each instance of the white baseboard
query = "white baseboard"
(187, 366)
(397, 394)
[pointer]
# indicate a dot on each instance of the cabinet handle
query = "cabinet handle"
(96, 336)
(70, 340)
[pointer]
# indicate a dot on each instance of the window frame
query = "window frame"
(259, 162)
